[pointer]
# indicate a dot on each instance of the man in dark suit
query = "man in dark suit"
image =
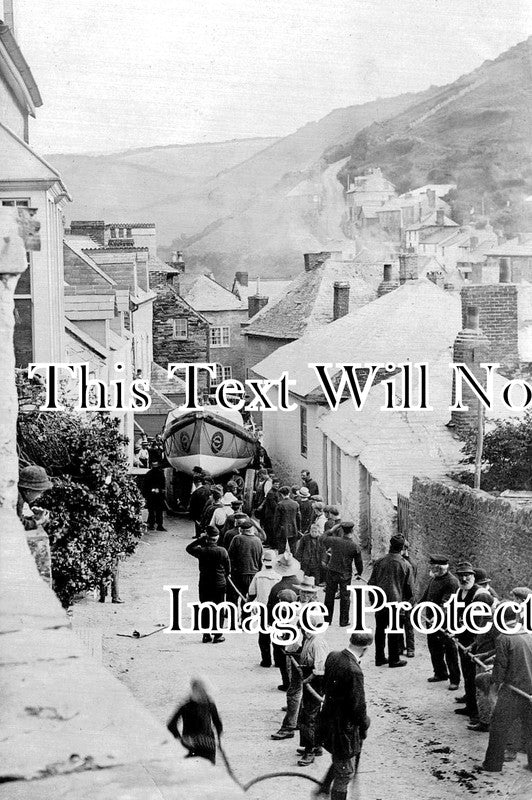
(287, 521)
(343, 719)
(154, 492)
(344, 552)
(394, 576)
(309, 482)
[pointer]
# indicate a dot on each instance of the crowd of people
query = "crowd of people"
(291, 544)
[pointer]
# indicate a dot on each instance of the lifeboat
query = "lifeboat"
(213, 438)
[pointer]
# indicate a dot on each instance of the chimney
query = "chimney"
(255, 303)
(431, 197)
(341, 299)
(471, 347)
(504, 271)
(473, 242)
(387, 284)
(242, 278)
(315, 260)
(95, 229)
(440, 215)
(408, 267)
(177, 261)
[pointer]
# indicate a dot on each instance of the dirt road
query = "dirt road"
(416, 746)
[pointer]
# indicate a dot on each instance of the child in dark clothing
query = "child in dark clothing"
(200, 720)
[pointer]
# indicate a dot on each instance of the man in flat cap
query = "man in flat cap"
(344, 552)
(512, 668)
(395, 577)
(442, 649)
(343, 719)
(469, 592)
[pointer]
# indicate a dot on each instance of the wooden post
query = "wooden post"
(480, 444)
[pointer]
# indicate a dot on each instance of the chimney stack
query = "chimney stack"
(473, 242)
(471, 347)
(504, 271)
(408, 267)
(242, 278)
(387, 284)
(341, 299)
(315, 260)
(440, 216)
(93, 228)
(255, 303)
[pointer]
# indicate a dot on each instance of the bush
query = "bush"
(94, 504)
(506, 457)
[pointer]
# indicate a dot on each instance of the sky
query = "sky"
(120, 74)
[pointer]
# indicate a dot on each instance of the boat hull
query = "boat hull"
(208, 440)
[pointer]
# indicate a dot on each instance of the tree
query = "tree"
(94, 504)
(506, 461)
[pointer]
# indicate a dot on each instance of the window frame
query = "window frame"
(220, 329)
(179, 338)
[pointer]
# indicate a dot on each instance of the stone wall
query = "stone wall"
(468, 524)
(259, 347)
(169, 306)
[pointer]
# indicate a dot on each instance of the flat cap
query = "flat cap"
(439, 559)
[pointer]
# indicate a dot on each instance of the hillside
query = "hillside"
(160, 184)
(476, 132)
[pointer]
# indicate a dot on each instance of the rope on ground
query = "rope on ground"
(138, 635)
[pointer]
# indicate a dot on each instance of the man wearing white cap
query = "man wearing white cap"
(290, 571)
(259, 589)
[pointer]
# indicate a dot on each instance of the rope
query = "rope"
(486, 667)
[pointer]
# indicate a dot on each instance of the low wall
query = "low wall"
(70, 729)
(470, 525)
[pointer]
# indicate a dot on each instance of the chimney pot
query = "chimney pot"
(472, 316)
(242, 278)
(440, 216)
(387, 273)
(341, 299)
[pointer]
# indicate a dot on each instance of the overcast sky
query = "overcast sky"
(116, 74)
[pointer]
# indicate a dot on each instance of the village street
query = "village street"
(416, 746)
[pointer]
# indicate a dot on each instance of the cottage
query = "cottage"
(326, 290)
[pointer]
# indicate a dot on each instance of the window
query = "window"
(222, 374)
(220, 336)
(303, 430)
(336, 474)
(180, 325)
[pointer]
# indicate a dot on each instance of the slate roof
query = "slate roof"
(156, 264)
(412, 323)
(307, 304)
(431, 221)
(205, 294)
(501, 250)
(396, 445)
(160, 380)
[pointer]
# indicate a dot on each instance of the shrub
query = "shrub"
(94, 504)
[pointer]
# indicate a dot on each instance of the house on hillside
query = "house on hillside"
(433, 221)
(28, 181)
(401, 213)
(369, 190)
(225, 314)
(326, 289)
(449, 244)
(514, 258)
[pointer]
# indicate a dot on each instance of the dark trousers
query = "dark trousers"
(308, 717)
(113, 578)
(339, 776)
(265, 649)
(279, 659)
(336, 581)
(155, 513)
(395, 640)
(469, 671)
(212, 594)
(444, 656)
(509, 707)
(293, 696)
(410, 636)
